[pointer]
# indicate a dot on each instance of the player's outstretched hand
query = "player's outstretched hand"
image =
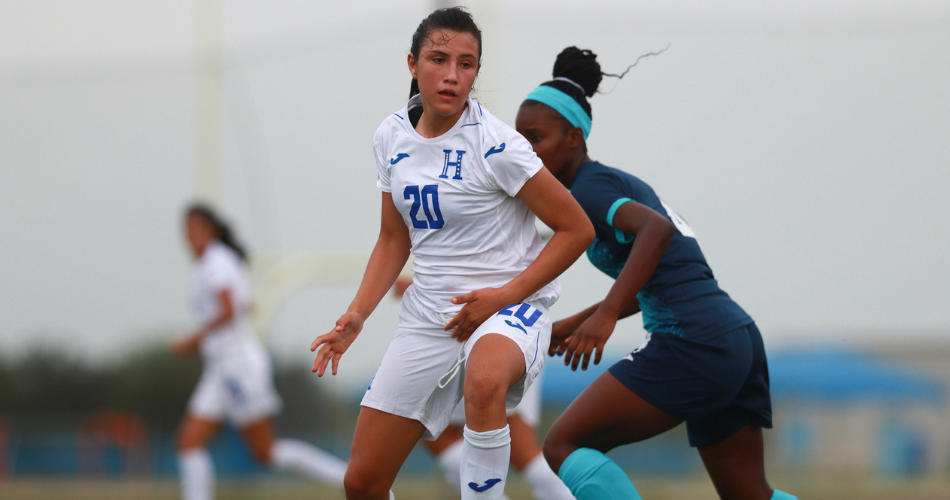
(479, 306)
(589, 338)
(336, 342)
(561, 332)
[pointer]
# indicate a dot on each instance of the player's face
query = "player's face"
(199, 233)
(446, 69)
(547, 133)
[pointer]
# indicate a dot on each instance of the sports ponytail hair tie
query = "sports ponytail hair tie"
(563, 104)
(572, 82)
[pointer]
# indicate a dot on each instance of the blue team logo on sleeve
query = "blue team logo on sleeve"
(494, 150)
(398, 158)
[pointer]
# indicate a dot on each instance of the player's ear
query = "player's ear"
(411, 61)
(575, 137)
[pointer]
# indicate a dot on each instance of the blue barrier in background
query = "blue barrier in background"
(834, 376)
(837, 376)
(828, 377)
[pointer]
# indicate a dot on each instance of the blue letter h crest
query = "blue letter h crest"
(457, 164)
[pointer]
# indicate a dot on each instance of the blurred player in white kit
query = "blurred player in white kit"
(236, 383)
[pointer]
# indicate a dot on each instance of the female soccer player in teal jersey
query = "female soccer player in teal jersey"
(703, 361)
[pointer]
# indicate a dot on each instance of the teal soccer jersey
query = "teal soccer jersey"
(682, 297)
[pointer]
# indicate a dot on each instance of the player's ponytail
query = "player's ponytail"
(577, 74)
(453, 19)
(222, 229)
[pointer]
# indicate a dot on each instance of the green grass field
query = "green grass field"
(694, 487)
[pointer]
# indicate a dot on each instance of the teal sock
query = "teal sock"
(781, 495)
(590, 475)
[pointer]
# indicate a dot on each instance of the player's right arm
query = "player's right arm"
(653, 234)
(385, 263)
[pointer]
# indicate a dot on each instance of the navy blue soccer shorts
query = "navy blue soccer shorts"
(717, 385)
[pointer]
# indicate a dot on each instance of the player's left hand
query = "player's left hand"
(335, 343)
(589, 338)
(479, 306)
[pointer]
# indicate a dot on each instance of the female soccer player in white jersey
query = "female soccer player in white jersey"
(526, 454)
(460, 191)
(235, 383)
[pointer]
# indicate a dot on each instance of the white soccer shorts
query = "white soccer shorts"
(422, 374)
(239, 391)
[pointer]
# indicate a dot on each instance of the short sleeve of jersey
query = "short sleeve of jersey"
(219, 272)
(600, 195)
(511, 161)
(383, 168)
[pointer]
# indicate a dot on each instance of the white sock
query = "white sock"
(450, 461)
(484, 467)
(197, 474)
(308, 460)
(545, 485)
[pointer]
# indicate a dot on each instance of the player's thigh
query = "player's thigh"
(259, 436)
(605, 415)
(195, 431)
(736, 465)
(381, 443)
(525, 327)
(495, 359)
(495, 364)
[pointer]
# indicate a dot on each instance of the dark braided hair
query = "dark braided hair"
(222, 230)
(581, 67)
(453, 19)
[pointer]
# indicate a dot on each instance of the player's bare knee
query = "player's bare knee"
(185, 441)
(484, 390)
(363, 485)
(183, 445)
(556, 451)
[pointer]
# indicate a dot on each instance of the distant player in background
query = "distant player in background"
(236, 381)
(460, 191)
(703, 361)
(526, 453)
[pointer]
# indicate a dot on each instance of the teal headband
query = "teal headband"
(563, 104)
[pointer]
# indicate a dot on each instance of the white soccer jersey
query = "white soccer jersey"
(220, 268)
(456, 194)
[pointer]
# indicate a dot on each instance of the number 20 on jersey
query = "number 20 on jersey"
(428, 199)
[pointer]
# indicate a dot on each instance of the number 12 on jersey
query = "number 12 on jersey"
(422, 197)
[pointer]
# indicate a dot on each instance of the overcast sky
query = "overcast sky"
(807, 143)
